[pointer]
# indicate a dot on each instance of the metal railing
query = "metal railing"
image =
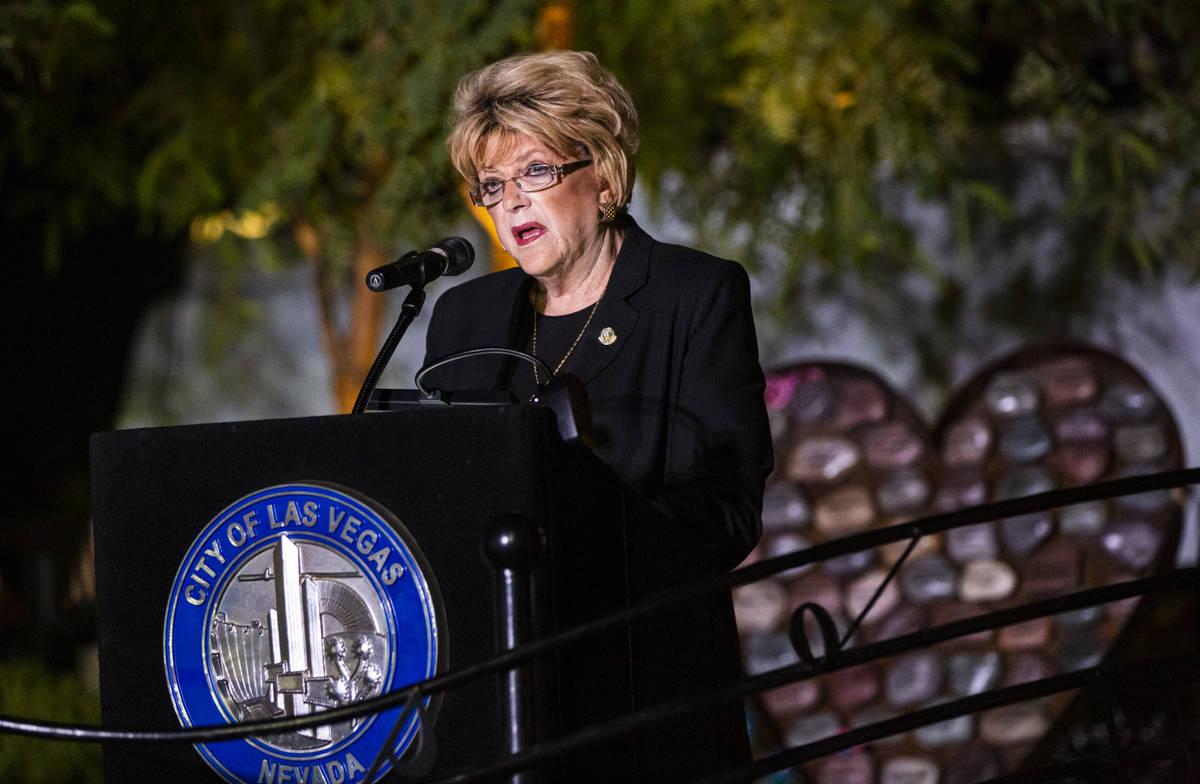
(834, 655)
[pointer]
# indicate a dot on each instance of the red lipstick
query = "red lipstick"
(527, 232)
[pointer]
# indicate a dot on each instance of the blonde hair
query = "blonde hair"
(564, 100)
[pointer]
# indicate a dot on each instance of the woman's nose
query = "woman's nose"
(512, 196)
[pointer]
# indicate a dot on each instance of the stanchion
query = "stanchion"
(513, 546)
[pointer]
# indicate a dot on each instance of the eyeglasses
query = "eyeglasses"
(536, 177)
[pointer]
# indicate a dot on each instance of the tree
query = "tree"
(800, 137)
(313, 124)
(127, 127)
(348, 107)
(803, 137)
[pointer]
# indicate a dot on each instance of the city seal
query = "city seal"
(296, 599)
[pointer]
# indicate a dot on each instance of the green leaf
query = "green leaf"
(991, 197)
(87, 15)
(1141, 150)
(1079, 159)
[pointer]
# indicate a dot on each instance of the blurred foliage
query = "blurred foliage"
(316, 123)
(330, 112)
(29, 690)
(812, 139)
(1059, 140)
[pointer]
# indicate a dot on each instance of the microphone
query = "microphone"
(451, 256)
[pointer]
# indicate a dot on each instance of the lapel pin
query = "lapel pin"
(608, 336)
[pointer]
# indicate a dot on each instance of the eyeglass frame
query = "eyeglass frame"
(559, 170)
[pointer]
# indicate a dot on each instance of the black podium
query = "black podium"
(446, 475)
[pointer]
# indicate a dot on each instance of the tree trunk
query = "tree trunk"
(350, 348)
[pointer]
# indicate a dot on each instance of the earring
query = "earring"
(608, 213)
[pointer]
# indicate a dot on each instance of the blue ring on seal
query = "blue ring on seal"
(379, 579)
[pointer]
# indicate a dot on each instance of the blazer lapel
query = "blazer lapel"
(507, 333)
(616, 319)
(492, 318)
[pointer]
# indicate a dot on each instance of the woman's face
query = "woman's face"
(549, 231)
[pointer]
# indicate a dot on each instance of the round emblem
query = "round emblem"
(608, 336)
(297, 599)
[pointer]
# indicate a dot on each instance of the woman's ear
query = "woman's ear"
(607, 196)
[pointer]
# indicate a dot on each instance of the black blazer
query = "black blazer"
(677, 398)
(678, 413)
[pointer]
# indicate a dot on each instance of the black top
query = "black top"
(555, 337)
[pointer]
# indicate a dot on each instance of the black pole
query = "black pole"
(514, 545)
(408, 312)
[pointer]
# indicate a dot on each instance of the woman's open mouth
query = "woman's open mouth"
(528, 232)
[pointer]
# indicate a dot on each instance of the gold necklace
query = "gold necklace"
(536, 378)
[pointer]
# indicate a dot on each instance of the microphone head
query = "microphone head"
(459, 255)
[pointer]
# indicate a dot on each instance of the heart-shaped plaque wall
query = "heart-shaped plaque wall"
(851, 454)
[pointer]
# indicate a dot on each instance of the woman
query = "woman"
(662, 337)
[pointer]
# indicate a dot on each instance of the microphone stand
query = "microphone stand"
(408, 312)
